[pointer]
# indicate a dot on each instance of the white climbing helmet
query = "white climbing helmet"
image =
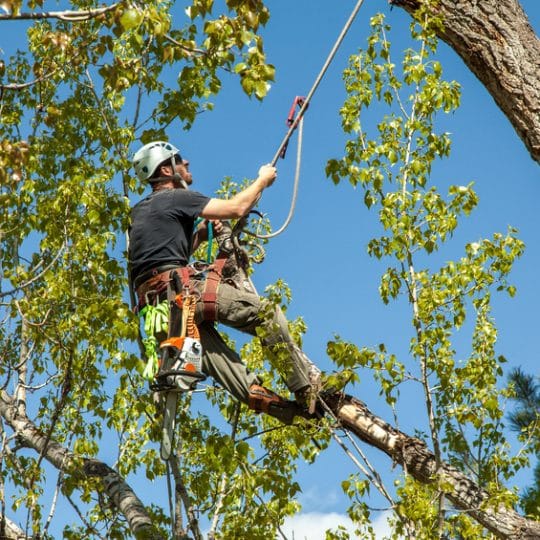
(148, 158)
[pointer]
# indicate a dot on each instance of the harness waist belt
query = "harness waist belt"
(157, 281)
(145, 276)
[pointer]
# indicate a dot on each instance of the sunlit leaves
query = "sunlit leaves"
(393, 162)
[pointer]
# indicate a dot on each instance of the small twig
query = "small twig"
(33, 388)
(36, 277)
(59, 483)
(369, 471)
(21, 86)
(189, 50)
(87, 524)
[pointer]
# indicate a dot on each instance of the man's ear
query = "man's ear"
(165, 170)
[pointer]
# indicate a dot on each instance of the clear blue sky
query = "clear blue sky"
(322, 255)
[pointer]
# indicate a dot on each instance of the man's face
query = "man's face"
(182, 168)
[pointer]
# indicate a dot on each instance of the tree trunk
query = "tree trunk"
(414, 456)
(497, 43)
(115, 486)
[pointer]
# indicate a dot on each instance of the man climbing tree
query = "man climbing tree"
(161, 244)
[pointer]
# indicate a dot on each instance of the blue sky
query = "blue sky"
(322, 255)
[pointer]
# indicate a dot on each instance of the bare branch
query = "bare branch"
(413, 454)
(36, 277)
(189, 50)
(21, 86)
(54, 501)
(68, 15)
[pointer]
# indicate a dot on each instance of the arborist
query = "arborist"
(163, 235)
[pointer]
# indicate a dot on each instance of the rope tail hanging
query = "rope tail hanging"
(298, 122)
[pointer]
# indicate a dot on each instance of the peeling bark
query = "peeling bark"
(497, 43)
(10, 531)
(414, 456)
(121, 494)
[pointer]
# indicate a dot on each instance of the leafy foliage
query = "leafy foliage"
(69, 359)
(396, 169)
(67, 124)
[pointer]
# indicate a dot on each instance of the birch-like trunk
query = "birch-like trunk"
(409, 452)
(413, 454)
(120, 493)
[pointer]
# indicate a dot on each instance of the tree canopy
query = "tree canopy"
(91, 83)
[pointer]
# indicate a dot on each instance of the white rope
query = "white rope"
(295, 189)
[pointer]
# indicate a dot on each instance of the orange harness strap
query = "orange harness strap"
(211, 284)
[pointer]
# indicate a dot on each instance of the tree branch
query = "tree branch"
(498, 44)
(68, 15)
(10, 531)
(121, 494)
(412, 453)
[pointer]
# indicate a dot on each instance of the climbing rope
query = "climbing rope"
(298, 123)
(295, 189)
(318, 80)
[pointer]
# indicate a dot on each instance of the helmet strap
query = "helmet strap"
(176, 176)
(180, 180)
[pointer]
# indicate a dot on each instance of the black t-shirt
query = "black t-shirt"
(161, 229)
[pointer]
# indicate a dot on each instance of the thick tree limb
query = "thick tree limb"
(411, 453)
(414, 456)
(497, 43)
(10, 531)
(115, 486)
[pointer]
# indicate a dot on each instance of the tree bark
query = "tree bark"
(121, 494)
(411, 453)
(497, 43)
(10, 531)
(414, 456)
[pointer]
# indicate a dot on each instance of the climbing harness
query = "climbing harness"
(297, 122)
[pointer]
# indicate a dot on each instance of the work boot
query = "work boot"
(260, 399)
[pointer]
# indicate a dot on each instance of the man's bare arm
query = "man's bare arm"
(242, 202)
